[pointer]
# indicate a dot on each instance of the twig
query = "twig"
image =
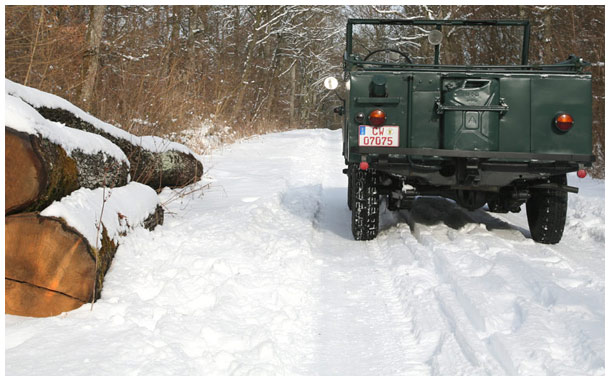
(98, 226)
(40, 21)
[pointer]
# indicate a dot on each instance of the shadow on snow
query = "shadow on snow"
(327, 209)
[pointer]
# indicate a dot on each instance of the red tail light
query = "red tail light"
(564, 122)
(377, 117)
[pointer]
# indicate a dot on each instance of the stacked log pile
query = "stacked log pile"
(156, 164)
(153, 161)
(70, 195)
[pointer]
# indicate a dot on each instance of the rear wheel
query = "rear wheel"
(365, 205)
(546, 212)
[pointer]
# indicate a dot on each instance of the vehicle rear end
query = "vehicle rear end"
(517, 120)
(501, 135)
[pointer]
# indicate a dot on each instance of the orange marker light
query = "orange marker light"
(564, 122)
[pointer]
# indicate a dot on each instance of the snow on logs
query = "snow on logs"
(55, 260)
(69, 198)
(154, 161)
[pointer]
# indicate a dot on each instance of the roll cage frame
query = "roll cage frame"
(349, 60)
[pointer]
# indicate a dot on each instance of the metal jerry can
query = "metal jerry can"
(471, 110)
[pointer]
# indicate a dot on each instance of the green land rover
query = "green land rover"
(497, 134)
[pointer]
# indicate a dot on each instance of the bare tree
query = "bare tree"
(91, 57)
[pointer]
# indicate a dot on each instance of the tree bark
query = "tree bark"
(34, 45)
(50, 267)
(174, 42)
(548, 36)
(293, 86)
(170, 168)
(272, 79)
(248, 67)
(38, 171)
(91, 59)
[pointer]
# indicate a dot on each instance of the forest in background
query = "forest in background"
(245, 70)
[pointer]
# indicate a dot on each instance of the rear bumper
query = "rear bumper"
(476, 170)
(445, 153)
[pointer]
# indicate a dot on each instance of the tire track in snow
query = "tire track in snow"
(414, 351)
(363, 280)
(425, 279)
(464, 320)
(361, 328)
(500, 292)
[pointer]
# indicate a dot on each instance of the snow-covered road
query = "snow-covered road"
(259, 274)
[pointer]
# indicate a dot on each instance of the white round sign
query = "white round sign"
(331, 83)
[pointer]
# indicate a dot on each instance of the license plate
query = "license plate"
(384, 136)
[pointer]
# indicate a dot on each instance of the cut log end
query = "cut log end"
(25, 176)
(46, 260)
(51, 268)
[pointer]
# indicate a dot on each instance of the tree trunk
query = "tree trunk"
(91, 61)
(293, 86)
(248, 67)
(38, 171)
(193, 22)
(35, 45)
(272, 80)
(50, 267)
(170, 168)
(174, 42)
